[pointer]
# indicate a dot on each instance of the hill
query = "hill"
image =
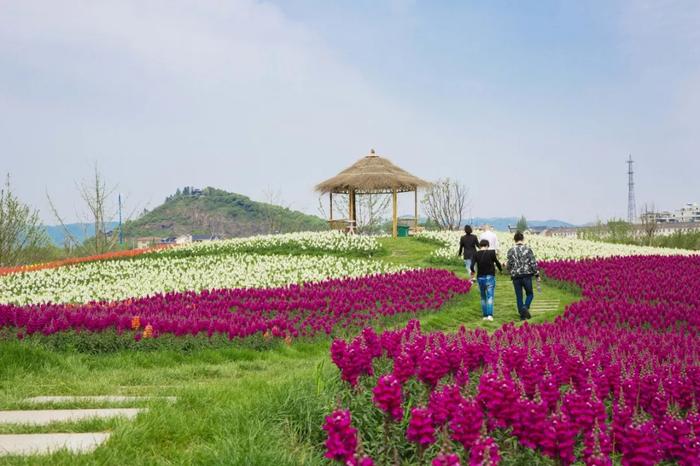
(501, 223)
(217, 212)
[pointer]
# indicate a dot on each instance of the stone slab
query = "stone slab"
(46, 416)
(36, 444)
(96, 399)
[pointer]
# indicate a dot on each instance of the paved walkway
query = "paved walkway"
(32, 444)
(47, 443)
(40, 417)
(96, 399)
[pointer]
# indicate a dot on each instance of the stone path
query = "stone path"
(40, 417)
(32, 444)
(95, 399)
(544, 305)
(47, 443)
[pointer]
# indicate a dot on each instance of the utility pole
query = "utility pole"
(121, 237)
(631, 203)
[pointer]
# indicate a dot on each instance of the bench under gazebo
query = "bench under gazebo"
(371, 174)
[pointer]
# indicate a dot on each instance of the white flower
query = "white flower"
(121, 279)
(546, 247)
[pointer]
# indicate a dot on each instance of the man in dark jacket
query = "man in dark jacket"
(522, 266)
(468, 245)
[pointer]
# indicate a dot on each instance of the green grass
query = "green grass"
(238, 406)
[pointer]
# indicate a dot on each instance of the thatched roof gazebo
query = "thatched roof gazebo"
(372, 174)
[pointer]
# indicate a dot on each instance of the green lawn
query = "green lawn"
(235, 405)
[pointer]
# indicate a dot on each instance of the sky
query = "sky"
(534, 106)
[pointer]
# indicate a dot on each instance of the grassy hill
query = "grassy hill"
(217, 212)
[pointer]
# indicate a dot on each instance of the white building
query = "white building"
(689, 213)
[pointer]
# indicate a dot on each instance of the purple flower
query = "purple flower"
(387, 396)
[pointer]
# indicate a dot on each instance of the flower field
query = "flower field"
(126, 254)
(291, 311)
(616, 378)
(546, 247)
(122, 279)
(318, 242)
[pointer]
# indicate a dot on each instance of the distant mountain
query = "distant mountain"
(501, 223)
(214, 211)
(80, 231)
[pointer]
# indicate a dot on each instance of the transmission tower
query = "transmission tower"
(631, 204)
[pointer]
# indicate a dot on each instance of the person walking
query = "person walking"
(522, 266)
(491, 237)
(485, 262)
(468, 245)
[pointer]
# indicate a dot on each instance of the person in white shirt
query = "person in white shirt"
(491, 237)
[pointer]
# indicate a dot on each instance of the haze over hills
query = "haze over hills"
(230, 214)
(501, 223)
(80, 231)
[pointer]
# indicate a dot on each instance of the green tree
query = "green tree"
(21, 235)
(620, 231)
(522, 223)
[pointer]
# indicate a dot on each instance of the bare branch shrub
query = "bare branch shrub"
(445, 202)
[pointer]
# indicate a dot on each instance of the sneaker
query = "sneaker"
(489, 318)
(484, 318)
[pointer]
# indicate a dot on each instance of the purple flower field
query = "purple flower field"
(292, 311)
(617, 377)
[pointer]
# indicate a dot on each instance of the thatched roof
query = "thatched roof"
(372, 173)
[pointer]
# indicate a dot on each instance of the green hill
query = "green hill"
(213, 211)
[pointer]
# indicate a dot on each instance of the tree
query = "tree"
(619, 230)
(272, 210)
(522, 224)
(444, 203)
(95, 195)
(370, 210)
(20, 231)
(649, 225)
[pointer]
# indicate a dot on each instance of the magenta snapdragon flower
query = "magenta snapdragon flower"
(341, 441)
(446, 459)
(420, 427)
(388, 396)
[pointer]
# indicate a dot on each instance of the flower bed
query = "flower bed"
(545, 247)
(616, 377)
(305, 242)
(292, 311)
(79, 260)
(117, 280)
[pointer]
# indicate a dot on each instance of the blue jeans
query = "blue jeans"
(487, 286)
(520, 283)
(468, 265)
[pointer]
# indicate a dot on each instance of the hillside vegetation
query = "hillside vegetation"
(214, 211)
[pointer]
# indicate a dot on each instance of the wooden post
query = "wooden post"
(415, 199)
(330, 202)
(352, 205)
(395, 221)
(351, 210)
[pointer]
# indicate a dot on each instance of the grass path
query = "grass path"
(235, 406)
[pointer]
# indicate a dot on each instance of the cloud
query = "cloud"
(247, 94)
